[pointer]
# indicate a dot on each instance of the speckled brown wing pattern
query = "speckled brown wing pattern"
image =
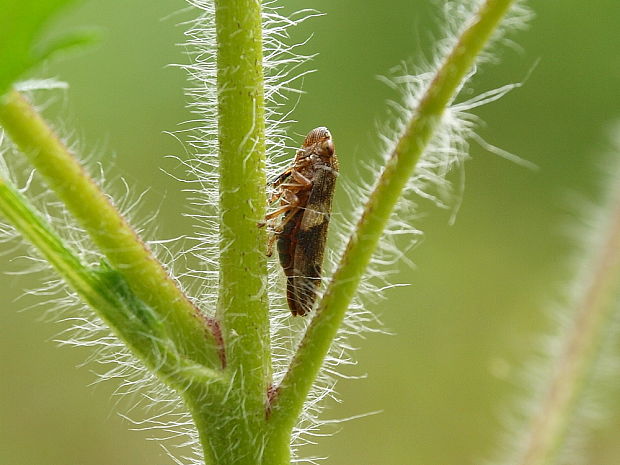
(311, 241)
(305, 192)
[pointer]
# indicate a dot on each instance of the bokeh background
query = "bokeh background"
(479, 287)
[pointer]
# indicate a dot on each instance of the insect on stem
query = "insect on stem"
(305, 191)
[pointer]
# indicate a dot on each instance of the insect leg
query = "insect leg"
(291, 206)
(280, 178)
(278, 229)
(302, 181)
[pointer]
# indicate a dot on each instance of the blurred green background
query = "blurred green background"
(464, 326)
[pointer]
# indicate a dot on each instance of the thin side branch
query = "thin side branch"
(549, 425)
(409, 149)
(106, 292)
(107, 228)
(17, 211)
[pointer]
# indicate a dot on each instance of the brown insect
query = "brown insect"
(305, 191)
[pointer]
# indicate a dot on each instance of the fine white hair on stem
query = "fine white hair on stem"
(284, 68)
(561, 346)
(201, 167)
(56, 301)
(447, 150)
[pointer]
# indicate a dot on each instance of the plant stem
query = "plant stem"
(15, 208)
(242, 304)
(107, 228)
(100, 290)
(363, 242)
(592, 317)
(243, 298)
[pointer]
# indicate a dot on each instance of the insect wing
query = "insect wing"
(311, 239)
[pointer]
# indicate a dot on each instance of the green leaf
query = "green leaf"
(21, 25)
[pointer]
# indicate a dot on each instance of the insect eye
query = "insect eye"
(327, 147)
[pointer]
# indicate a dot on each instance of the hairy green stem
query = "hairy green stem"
(108, 229)
(243, 298)
(410, 147)
(15, 208)
(106, 292)
(593, 313)
(242, 305)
